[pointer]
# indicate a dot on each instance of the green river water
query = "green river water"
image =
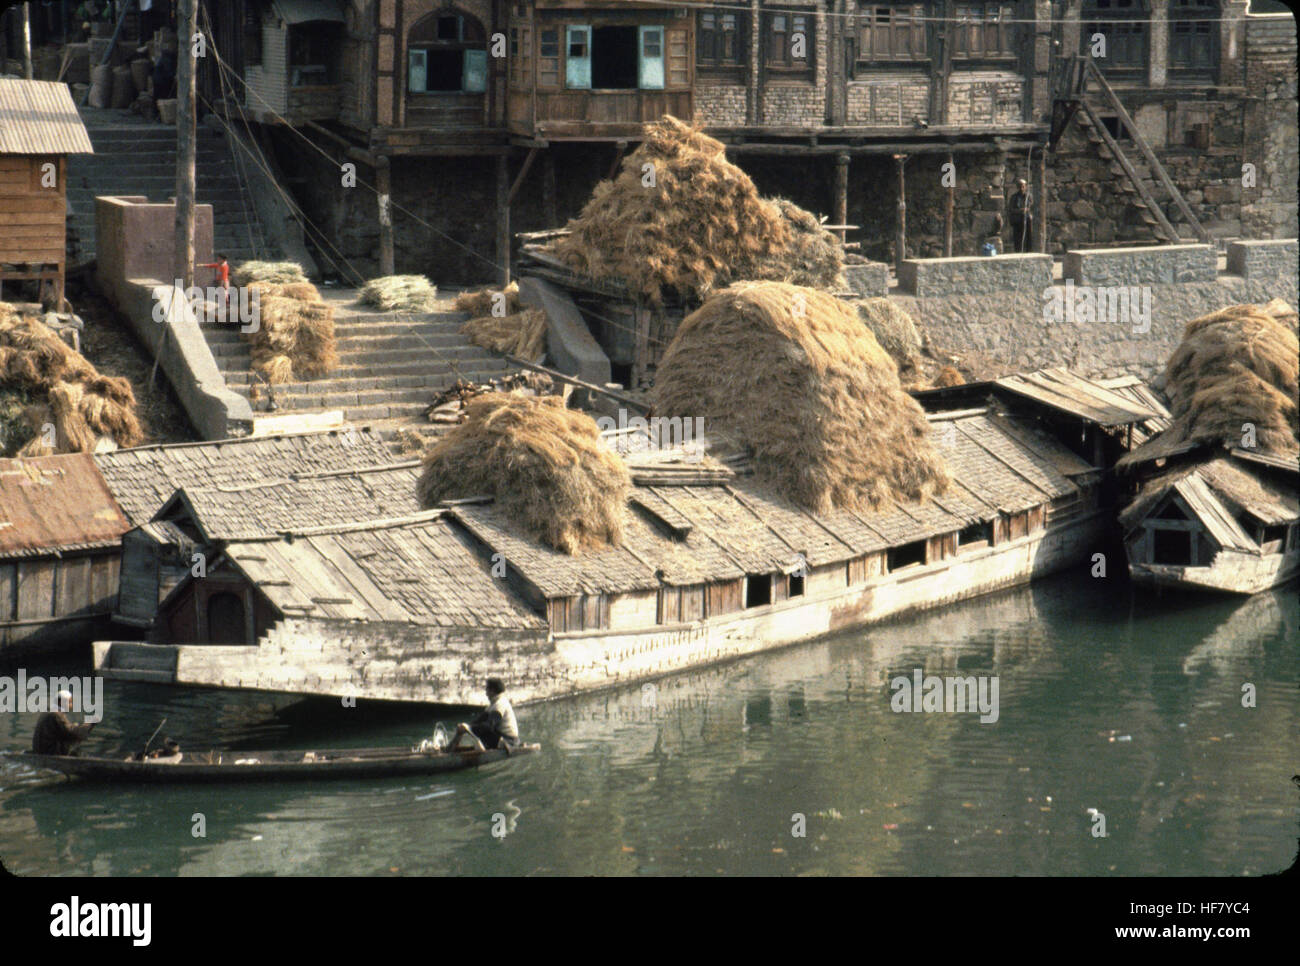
(1116, 700)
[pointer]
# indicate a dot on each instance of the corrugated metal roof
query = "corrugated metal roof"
(51, 503)
(38, 117)
(306, 11)
(1063, 390)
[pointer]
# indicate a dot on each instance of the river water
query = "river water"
(1109, 699)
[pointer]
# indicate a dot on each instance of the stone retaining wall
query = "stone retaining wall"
(1264, 259)
(1149, 265)
(975, 274)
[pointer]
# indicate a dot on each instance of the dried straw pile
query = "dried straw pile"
(246, 273)
(522, 334)
(400, 293)
(794, 375)
(295, 333)
(545, 466)
(479, 302)
(1234, 367)
(893, 329)
(701, 226)
(79, 402)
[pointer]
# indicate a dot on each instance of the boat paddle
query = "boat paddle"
(151, 738)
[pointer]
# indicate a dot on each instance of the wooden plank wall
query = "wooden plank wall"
(33, 218)
(41, 590)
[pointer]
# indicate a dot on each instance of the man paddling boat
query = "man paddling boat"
(495, 726)
(55, 734)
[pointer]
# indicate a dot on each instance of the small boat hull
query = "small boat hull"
(247, 766)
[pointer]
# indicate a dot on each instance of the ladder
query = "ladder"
(1072, 100)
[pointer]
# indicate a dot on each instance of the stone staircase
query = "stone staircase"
(137, 157)
(390, 367)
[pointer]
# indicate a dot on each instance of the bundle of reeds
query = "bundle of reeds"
(546, 467)
(278, 272)
(482, 301)
(400, 293)
(793, 375)
(679, 218)
(68, 393)
(522, 334)
(1234, 369)
(294, 337)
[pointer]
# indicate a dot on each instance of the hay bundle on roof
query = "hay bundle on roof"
(400, 293)
(522, 334)
(294, 337)
(68, 393)
(482, 301)
(893, 329)
(277, 272)
(792, 374)
(697, 228)
(545, 466)
(1235, 367)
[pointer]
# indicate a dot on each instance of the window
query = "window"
(313, 58)
(1123, 24)
(891, 33)
(447, 53)
(976, 535)
(758, 590)
(252, 37)
(907, 555)
(721, 40)
(796, 585)
(650, 65)
(614, 61)
(789, 43)
(1194, 39)
(984, 31)
(226, 619)
(548, 58)
(577, 57)
(1171, 546)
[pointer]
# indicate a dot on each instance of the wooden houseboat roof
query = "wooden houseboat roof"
(54, 504)
(1135, 390)
(284, 504)
(414, 570)
(142, 479)
(1063, 390)
(38, 117)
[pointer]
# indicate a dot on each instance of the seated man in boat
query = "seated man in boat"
(55, 734)
(494, 726)
(168, 754)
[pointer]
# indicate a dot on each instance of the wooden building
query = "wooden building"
(60, 535)
(39, 128)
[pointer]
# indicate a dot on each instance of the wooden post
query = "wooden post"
(503, 218)
(842, 193)
(383, 192)
(1040, 202)
(27, 41)
(549, 206)
(185, 143)
(900, 241)
(947, 209)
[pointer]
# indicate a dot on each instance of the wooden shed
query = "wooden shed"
(39, 128)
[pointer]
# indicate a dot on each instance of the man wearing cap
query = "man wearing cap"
(1022, 222)
(493, 727)
(55, 734)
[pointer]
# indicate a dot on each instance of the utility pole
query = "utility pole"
(27, 40)
(185, 142)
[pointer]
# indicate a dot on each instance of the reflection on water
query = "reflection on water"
(1128, 704)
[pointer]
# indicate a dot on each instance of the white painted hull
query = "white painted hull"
(562, 665)
(1231, 572)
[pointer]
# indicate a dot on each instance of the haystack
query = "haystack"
(522, 334)
(1235, 367)
(792, 374)
(294, 337)
(700, 226)
(65, 391)
(481, 301)
(545, 466)
(278, 272)
(400, 293)
(893, 329)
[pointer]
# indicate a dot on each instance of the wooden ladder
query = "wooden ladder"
(1075, 102)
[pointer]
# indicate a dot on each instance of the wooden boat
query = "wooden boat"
(242, 766)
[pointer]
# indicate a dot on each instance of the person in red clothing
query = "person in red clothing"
(223, 274)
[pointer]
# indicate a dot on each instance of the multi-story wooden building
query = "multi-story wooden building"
(820, 100)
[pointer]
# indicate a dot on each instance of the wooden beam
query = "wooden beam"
(620, 148)
(900, 239)
(940, 147)
(523, 173)
(383, 196)
(549, 207)
(1040, 198)
(842, 192)
(581, 384)
(503, 218)
(184, 240)
(1122, 160)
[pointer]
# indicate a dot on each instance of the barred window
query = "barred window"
(721, 39)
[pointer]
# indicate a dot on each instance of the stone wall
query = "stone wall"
(1141, 266)
(1264, 259)
(888, 99)
(719, 103)
(975, 275)
(1268, 207)
(985, 98)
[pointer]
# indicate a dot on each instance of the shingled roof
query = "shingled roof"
(38, 117)
(54, 504)
(144, 478)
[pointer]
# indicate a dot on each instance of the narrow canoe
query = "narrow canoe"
(240, 766)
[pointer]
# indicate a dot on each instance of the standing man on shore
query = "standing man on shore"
(1022, 221)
